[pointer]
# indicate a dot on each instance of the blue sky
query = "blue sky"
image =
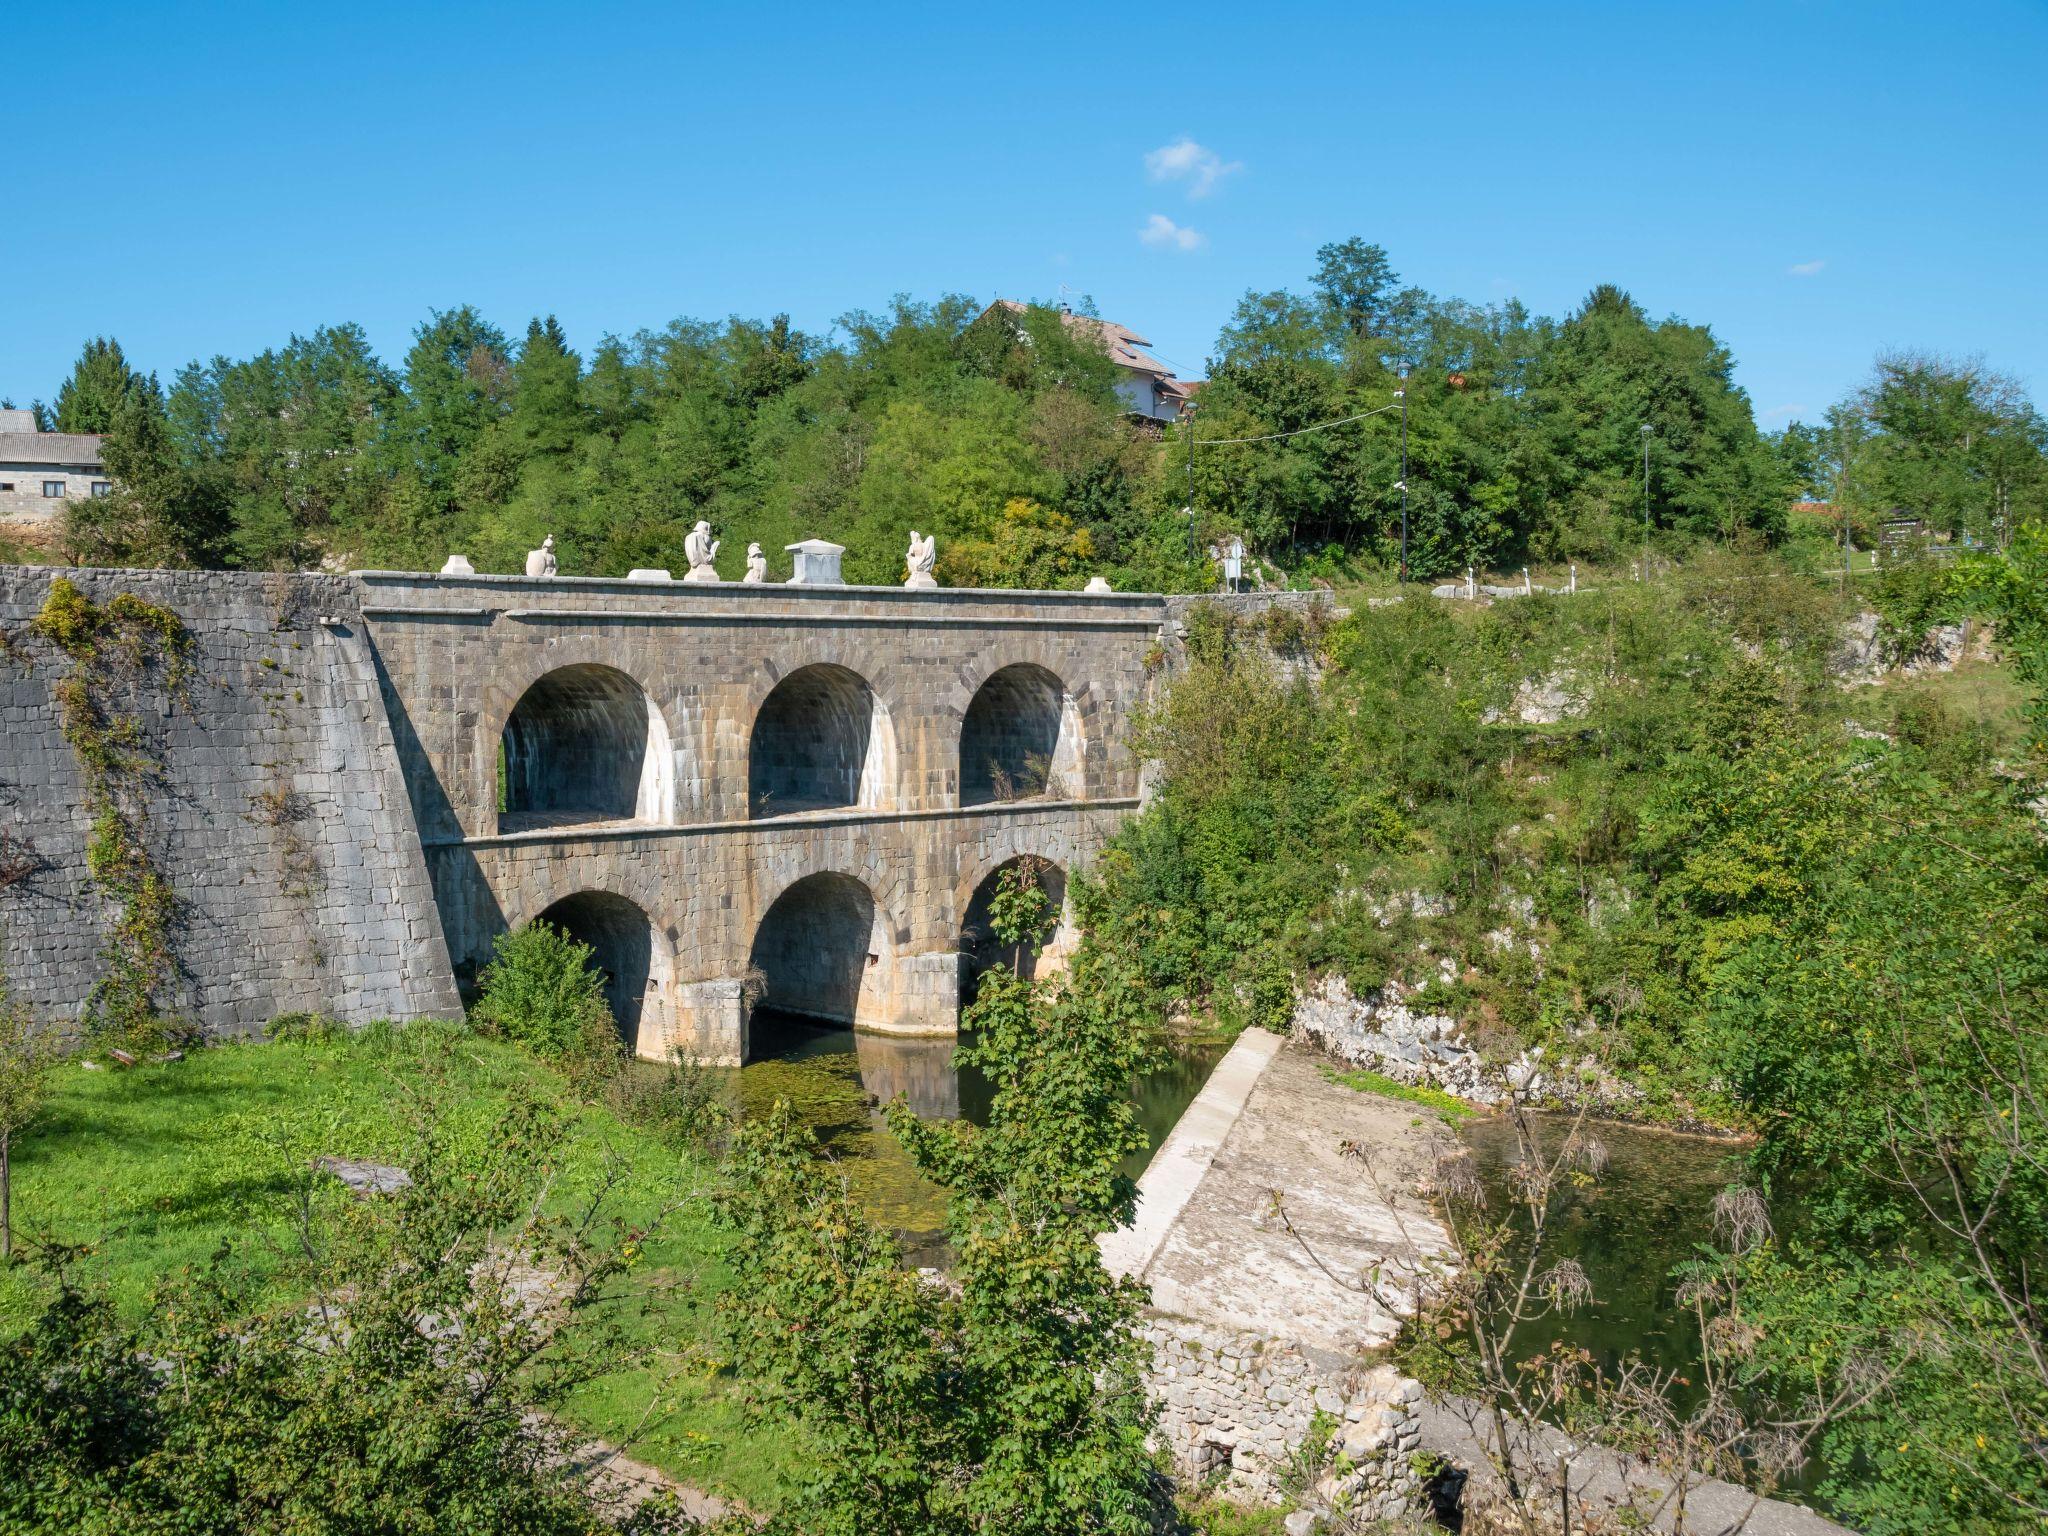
(1817, 181)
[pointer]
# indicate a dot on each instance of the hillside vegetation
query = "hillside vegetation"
(1645, 831)
(1001, 436)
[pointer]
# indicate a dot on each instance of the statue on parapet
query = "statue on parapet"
(757, 566)
(541, 562)
(923, 551)
(702, 550)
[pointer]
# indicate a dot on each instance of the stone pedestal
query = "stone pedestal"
(921, 581)
(710, 1023)
(817, 563)
(703, 574)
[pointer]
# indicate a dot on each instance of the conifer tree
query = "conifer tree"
(100, 380)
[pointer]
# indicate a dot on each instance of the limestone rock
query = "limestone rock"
(365, 1178)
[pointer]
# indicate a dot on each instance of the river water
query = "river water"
(838, 1081)
(1650, 1210)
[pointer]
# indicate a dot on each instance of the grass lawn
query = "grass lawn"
(154, 1169)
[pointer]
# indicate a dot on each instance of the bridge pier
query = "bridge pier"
(710, 1024)
(921, 998)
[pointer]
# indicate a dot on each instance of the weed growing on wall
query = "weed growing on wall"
(117, 649)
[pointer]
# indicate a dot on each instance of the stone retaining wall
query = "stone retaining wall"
(281, 820)
(1239, 1405)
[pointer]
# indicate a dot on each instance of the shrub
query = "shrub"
(543, 991)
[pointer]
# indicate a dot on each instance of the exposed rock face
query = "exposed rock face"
(1860, 658)
(1234, 1405)
(1381, 1031)
(1557, 695)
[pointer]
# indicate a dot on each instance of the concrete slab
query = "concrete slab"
(1251, 1216)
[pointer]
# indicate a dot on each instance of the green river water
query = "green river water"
(838, 1081)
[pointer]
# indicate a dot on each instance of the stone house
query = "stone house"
(40, 471)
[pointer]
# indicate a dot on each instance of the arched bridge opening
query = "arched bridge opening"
(822, 952)
(821, 741)
(1021, 738)
(626, 951)
(583, 744)
(1028, 896)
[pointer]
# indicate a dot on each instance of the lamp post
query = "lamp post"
(1646, 500)
(1190, 419)
(1401, 394)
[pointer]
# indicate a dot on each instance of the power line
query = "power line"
(1342, 421)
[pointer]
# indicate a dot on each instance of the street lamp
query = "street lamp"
(1401, 395)
(1647, 432)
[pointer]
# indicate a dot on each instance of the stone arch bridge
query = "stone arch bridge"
(797, 793)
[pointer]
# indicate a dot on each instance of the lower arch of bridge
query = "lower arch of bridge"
(981, 946)
(584, 743)
(824, 950)
(821, 741)
(626, 951)
(1021, 737)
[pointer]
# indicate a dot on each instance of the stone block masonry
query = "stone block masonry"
(735, 795)
(281, 821)
(1238, 1405)
(742, 794)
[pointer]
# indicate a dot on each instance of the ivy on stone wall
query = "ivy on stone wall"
(115, 650)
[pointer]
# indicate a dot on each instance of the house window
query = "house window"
(102, 487)
(53, 487)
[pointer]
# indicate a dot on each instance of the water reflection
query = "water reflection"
(921, 1070)
(838, 1083)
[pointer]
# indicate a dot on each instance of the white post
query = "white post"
(1525, 581)
(1575, 577)
(1471, 585)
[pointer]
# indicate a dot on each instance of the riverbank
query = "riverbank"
(1281, 1231)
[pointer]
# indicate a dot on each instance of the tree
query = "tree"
(547, 414)
(156, 514)
(1356, 282)
(100, 380)
(25, 1056)
(1008, 1399)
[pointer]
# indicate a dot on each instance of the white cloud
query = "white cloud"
(1784, 412)
(1185, 160)
(1160, 230)
(1804, 268)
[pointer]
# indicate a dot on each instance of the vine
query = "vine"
(112, 646)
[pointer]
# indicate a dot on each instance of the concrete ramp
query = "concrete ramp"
(1252, 1217)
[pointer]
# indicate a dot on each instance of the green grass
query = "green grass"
(1980, 692)
(154, 1169)
(1365, 1080)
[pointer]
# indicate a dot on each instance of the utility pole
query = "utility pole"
(1646, 501)
(1190, 419)
(1402, 395)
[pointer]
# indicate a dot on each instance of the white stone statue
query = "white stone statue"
(757, 566)
(702, 550)
(922, 552)
(458, 565)
(541, 562)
